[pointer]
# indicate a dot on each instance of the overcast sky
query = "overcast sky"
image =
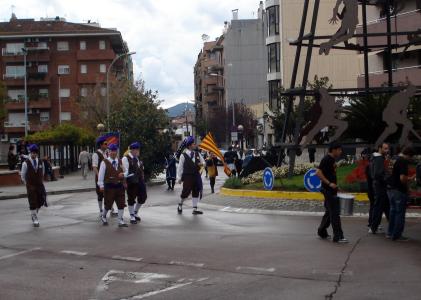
(166, 34)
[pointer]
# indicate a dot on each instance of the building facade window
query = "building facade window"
(66, 116)
(84, 92)
(102, 68)
(64, 93)
(44, 116)
(82, 45)
(14, 48)
(273, 20)
(43, 93)
(274, 86)
(63, 46)
(42, 68)
(16, 94)
(63, 69)
(102, 45)
(274, 54)
(15, 71)
(83, 69)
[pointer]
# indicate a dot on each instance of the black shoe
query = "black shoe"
(114, 213)
(133, 222)
(179, 209)
(122, 225)
(137, 218)
(197, 212)
(341, 241)
(324, 237)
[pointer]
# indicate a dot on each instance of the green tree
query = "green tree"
(139, 118)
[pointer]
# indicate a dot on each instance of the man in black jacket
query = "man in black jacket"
(378, 174)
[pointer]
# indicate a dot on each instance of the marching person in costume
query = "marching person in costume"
(135, 178)
(99, 155)
(32, 175)
(110, 182)
(171, 171)
(188, 172)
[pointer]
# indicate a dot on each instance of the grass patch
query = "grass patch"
(296, 183)
(233, 183)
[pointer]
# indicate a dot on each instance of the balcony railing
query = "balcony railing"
(5, 52)
(13, 76)
(14, 124)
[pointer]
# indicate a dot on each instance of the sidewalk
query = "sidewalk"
(71, 183)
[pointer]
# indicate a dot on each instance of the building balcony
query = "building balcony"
(20, 127)
(90, 55)
(41, 103)
(407, 21)
(34, 79)
(209, 64)
(34, 54)
(379, 78)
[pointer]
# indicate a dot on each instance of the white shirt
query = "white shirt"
(181, 162)
(25, 168)
(95, 158)
(125, 162)
(102, 170)
(84, 157)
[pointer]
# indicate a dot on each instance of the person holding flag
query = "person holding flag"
(209, 144)
(188, 173)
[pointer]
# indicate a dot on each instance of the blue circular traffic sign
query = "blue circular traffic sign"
(268, 179)
(311, 182)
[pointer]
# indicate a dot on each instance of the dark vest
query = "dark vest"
(100, 158)
(135, 169)
(111, 174)
(34, 177)
(190, 167)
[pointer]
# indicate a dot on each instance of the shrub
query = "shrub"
(233, 183)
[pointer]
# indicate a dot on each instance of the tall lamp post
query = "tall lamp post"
(240, 129)
(108, 84)
(25, 53)
(59, 98)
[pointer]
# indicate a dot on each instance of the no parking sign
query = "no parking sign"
(311, 182)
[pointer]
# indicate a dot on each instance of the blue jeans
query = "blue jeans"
(398, 202)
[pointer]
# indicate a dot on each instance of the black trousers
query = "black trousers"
(381, 205)
(370, 194)
(331, 216)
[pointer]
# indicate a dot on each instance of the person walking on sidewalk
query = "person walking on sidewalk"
(135, 179)
(110, 182)
(398, 194)
(212, 164)
(32, 176)
(84, 162)
(378, 174)
(188, 173)
(171, 171)
(327, 174)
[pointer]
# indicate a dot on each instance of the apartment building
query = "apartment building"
(406, 60)
(62, 62)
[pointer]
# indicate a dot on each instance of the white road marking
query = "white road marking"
(182, 263)
(134, 277)
(270, 270)
(18, 253)
(170, 288)
(127, 258)
(77, 253)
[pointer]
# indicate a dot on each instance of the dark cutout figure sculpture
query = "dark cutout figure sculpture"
(329, 108)
(396, 113)
(348, 26)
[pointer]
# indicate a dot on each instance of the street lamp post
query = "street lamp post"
(240, 129)
(59, 98)
(25, 53)
(108, 82)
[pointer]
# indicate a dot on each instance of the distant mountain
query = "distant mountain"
(179, 109)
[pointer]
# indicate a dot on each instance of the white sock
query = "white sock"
(131, 210)
(120, 215)
(195, 202)
(104, 213)
(137, 207)
(100, 206)
(34, 212)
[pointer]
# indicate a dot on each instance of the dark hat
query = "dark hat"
(101, 140)
(135, 145)
(113, 147)
(33, 148)
(189, 141)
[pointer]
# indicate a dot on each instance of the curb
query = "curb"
(73, 191)
(360, 197)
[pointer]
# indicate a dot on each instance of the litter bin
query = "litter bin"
(346, 202)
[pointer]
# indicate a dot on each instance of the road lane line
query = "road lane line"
(18, 253)
(127, 258)
(187, 264)
(170, 288)
(77, 253)
(270, 270)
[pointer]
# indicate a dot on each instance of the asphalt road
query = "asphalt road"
(218, 255)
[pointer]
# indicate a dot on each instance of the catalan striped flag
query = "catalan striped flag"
(209, 144)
